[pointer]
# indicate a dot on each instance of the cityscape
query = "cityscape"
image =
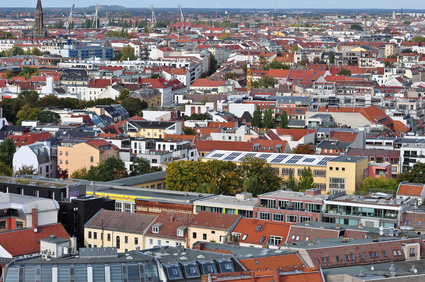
(212, 141)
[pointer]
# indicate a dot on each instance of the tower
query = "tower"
(39, 22)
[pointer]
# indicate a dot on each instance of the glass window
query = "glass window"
(361, 256)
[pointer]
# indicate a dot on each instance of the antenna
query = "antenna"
(153, 21)
(68, 24)
(96, 17)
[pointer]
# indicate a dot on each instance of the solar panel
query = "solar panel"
(264, 156)
(278, 159)
(231, 156)
(324, 161)
(294, 159)
(309, 160)
(249, 155)
(217, 155)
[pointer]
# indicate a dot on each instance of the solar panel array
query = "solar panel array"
(278, 159)
(324, 161)
(231, 157)
(264, 156)
(249, 155)
(294, 159)
(217, 155)
(309, 160)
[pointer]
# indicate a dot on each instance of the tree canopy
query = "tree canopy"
(7, 150)
(381, 184)
(265, 81)
(222, 177)
(344, 72)
(48, 117)
(133, 106)
(276, 65)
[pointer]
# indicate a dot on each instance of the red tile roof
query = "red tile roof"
(212, 220)
(411, 189)
(248, 226)
(30, 138)
(24, 241)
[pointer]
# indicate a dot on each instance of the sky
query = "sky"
(222, 4)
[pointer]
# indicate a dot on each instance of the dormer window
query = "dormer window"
(155, 229)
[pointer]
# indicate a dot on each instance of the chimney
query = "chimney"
(34, 218)
(276, 274)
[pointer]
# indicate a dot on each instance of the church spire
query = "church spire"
(39, 7)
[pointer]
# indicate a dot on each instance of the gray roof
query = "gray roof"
(139, 179)
(103, 252)
(348, 159)
(55, 240)
(325, 144)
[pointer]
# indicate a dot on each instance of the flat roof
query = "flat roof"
(271, 157)
(374, 199)
(348, 159)
(287, 194)
(230, 201)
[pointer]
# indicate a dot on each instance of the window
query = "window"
(19, 225)
(94, 235)
(361, 256)
(66, 153)
(319, 173)
(278, 217)
(204, 236)
(371, 255)
(155, 229)
(376, 254)
(338, 258)
(91, 159)
(275, 240)
(419, 222)
(244, 237)
(384, 254)
(399, 252)
(328, 259)
(66, 162)
(336, 183)
(412, 252)
(60, 153)
(118, 243)
(291, 218)
(395, 253)
(265, 215)
(347, 257)
(108, 237)
(323, 260)
(151, 241)
(89, 235)
(127, 207)
(352, 257)
(194, 235)
(297, 206)
(126, 239)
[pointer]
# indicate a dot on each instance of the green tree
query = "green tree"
(294, 48)
(332, 58)
(253, 186)
(110, 169)
(140, 166)
(306, 180)
(276, 65)
(81, 173)
(133, 106)
(49, 101)
(303, 149)
(10, 109)
(7, 150)
(49, 117)
(226, 36)
(127, 52)
(208, 188)
(356, 27)
(292, 183)
(189, 131)
(407, 50)
(380, 184)
(257, 118)
(417, 173)
(27, 72)
(284, 120)
(27, 112)
(225, 176)
(26, 170)
(35, 51)
(213, 64)
(268, 119)
(418, 39)
(344, 72)
(8, 74)
(186, 175)
(103, 101)
(265, 82)
(5, 170)
(266, 174)
(29, 97)
(196, 116)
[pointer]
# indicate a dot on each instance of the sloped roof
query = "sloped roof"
(24, 241)
(410, 189)
(120, 221)
(171, 221)
(212, 220)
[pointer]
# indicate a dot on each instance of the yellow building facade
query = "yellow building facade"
(346, 173)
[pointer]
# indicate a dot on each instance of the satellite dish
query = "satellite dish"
(381, 227)
(415, 270)
(372, 268)
(381, 232)
(35, 230)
